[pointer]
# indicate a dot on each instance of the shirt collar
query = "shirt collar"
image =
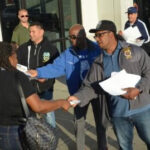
(133, 24)
(115, 52)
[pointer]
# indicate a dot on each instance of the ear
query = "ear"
(18, 16)
(42, 31)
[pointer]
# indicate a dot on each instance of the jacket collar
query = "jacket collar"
(43, 41)
(135, 23)
(89, 46)
(123, 44)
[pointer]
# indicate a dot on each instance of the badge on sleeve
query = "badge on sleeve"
(46, 56)
(127, 52)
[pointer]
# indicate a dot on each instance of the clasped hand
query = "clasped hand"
(131, 93)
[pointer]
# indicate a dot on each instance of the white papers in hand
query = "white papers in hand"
(75, 102)
(131, 35)
(118, 81)
(23, 69)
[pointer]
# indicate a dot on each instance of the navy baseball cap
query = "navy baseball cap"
(131, 10)
(104, 25)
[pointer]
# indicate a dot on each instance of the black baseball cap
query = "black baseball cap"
(104, 25)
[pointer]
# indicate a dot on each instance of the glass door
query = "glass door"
(46, 12)
(57, 16)
(9, 19)
(144, 11)
(69, 16)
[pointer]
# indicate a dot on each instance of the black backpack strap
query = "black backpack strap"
(22, 97)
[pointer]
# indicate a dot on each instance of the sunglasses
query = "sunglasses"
(24, 16)
(98, 35)
(74, 37)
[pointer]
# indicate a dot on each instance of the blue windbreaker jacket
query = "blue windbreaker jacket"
(67, 64)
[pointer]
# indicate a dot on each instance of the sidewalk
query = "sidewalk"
(65, 125)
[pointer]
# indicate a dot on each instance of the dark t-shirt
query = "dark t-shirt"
(10, 104)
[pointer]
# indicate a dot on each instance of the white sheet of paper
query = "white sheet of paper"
(23, 69)
(119, 81)
(136, 42)
(75, 102)
(131, 35)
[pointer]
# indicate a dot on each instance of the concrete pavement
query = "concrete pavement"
(65, 126)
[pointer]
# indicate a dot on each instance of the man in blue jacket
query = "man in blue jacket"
(74, 63)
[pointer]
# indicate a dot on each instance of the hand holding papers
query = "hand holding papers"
(131, 35)
(119, 81)
(23, 69)
(74, 102)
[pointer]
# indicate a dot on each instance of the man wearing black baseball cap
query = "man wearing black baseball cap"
(126, 110)
(104, 25)
(104, 28)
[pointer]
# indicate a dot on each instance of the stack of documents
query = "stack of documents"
(118, 81)
(131, 35)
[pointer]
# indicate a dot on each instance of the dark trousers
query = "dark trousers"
(80, 116)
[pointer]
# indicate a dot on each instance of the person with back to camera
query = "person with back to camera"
(21, 32)
(10, 103)
(128, 110)
(74, 63)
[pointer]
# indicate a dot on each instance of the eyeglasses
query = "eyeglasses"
(98, 35)
(24, 16)
(74, 37)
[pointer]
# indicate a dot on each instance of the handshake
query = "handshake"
(33, 75)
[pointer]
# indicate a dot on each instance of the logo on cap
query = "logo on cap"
(99, 24)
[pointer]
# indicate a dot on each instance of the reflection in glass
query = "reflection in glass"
(57, 16)
(45, 12)
(70, 16)
(8, 12)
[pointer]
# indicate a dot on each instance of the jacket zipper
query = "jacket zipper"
(28, 59)
(38, 66)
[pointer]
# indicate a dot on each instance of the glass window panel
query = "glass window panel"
(46, 12)
(9, 19)
(70, 13)
(70, 16)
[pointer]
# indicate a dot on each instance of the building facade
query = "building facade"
(58, 16)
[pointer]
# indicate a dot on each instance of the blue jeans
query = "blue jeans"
(50, 116)
(123, 127)
(9, 138)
